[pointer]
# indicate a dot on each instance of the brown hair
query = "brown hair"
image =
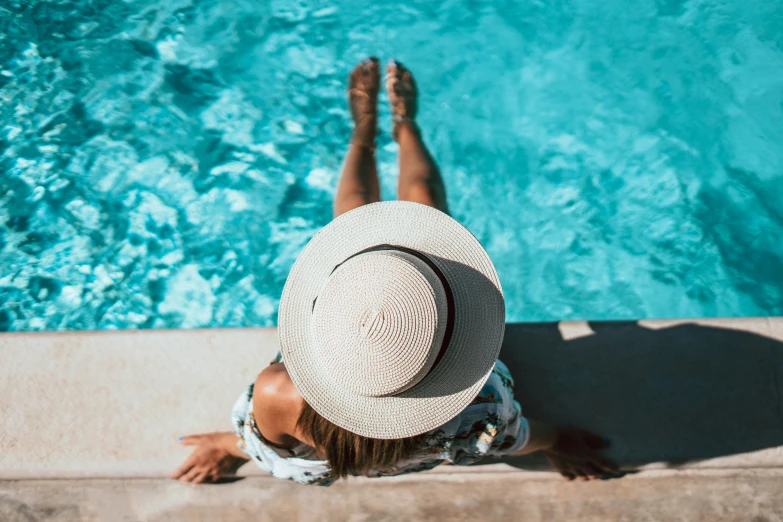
(348, 453)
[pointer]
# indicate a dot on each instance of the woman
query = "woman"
(390, 325)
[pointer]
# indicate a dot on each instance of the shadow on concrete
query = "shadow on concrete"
(674, 395)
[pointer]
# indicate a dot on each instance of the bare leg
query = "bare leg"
(358, 183)
(420, 179)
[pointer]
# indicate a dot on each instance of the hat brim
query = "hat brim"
(479, 323)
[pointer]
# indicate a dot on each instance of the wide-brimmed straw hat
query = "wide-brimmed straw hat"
(391, 319)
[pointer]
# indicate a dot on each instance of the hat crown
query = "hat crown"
(378, 323)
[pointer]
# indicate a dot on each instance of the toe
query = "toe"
(364, 68)
(392, 67)
(400, 79)
(353, 77)
(404, 75)
(369, 63)
(373, 73)
(410, 83)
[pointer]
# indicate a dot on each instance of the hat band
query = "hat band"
(446, 287)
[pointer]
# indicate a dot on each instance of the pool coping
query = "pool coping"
(110, 404)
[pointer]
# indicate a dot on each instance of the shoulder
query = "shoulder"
(276, 403)
(274, 381)
(274, 389)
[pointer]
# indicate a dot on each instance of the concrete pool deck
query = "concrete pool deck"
(687, 400)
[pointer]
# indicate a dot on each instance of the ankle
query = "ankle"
(364, 136)
(363, 145)
(405, 128)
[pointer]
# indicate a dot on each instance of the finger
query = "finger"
(602, 465)
(200, 477)
(571, 470)
(183, 468)
(579, 472)
(192, 440)
(593, 471)
(584, 472)
(606, 465)
(190, 475)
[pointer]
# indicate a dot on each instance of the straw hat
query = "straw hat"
(391, 319)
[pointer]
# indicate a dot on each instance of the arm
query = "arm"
(574, 453)
(216, 455)
(542, 437)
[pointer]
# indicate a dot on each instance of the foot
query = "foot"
(363, 89)
(402, 96)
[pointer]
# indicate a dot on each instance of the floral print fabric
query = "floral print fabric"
(492, 425)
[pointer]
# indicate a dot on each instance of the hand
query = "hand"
(575, 454)
(216, 455)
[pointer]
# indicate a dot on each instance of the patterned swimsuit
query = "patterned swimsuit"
(491, 425)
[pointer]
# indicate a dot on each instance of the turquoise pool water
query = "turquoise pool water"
(163, 162)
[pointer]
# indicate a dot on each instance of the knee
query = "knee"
(425, 193)
(420, 192)
(350, 202)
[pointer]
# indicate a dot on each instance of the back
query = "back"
(492, 425)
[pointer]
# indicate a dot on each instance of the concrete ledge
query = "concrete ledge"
(718, 496)
(671, 394)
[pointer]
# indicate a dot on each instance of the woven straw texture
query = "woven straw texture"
(362, 353)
